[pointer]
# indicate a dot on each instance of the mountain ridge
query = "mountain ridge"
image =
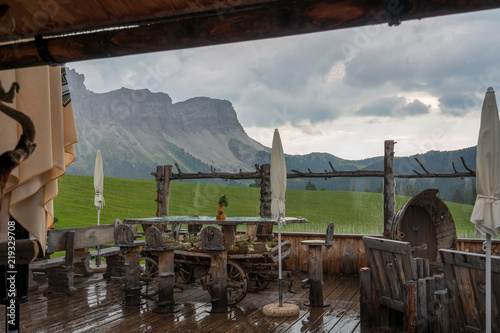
(139, 129)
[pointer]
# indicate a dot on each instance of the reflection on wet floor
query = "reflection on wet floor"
(97, 307)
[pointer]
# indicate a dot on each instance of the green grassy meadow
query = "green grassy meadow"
(352, 212)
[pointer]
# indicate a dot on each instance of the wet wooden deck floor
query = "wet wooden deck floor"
(97, 308)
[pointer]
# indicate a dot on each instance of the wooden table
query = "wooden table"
(228, 227)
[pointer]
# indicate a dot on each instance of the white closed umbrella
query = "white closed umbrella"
(98, 185)
(99, 190)
(278, 189)
(486, 213)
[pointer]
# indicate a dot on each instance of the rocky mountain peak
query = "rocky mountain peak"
(149, 128)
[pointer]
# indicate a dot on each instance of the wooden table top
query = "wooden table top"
(230, 220)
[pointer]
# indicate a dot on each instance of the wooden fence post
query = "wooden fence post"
(369, 305)
(162, 177)
(441, 310)
(265, 190)
(389, 199)
(265, 200)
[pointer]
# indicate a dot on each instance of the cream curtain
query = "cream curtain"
(31, 187)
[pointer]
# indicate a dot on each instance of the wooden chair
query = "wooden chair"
(396, 287)
(464, 276)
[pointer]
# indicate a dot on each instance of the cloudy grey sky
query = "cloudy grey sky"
(343, 92)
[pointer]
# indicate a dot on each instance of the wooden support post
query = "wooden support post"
(132, 276)
(315, 268)
(423, 268)
(166, 283)
(368, 302)
(162, 177)
(265, 201)
(218, 283)
(229, 232)
(389, 195)
(422, 319)
(410, 318)
(441, 310)
(430, 284)
(440, 285)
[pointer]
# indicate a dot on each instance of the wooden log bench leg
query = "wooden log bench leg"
(82, 267)
(212, 240)
(61, 280)
(368, 301)
(315, 268)
(132, 276)
(115, 266)
(166, 283)
(218, 285)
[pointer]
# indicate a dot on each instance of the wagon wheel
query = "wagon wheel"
(237, 282)
(258, 281)
(149, 277)
(183, 272)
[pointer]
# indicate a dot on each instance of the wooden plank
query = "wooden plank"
(84, 237)
(387, 245)
(393, 276)
(97, 306)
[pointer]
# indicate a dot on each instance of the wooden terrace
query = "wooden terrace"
(97, 307)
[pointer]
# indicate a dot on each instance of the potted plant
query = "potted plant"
(222, 203)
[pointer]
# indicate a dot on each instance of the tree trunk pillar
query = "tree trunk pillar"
(265, 232)
(389, 184)
(162, 177)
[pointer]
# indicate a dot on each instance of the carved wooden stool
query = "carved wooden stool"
(315, 267)
(124, 238)
(166, 273)
(211, 240)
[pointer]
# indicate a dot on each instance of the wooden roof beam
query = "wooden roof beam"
(266, 20)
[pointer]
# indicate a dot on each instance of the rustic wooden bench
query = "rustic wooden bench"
(464, 306)
(396, 288)
(76, 243)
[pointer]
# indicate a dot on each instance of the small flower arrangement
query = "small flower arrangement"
(386, 234)
(222, 203)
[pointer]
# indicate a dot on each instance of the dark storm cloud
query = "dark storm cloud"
(393, 107)
(456, 104)
(453, 59)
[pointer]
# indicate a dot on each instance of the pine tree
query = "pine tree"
(310, 186)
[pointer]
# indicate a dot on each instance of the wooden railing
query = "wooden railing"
(347, 255)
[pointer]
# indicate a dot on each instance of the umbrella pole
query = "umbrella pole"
(488, 283)
(280, 278)
(98, 258)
